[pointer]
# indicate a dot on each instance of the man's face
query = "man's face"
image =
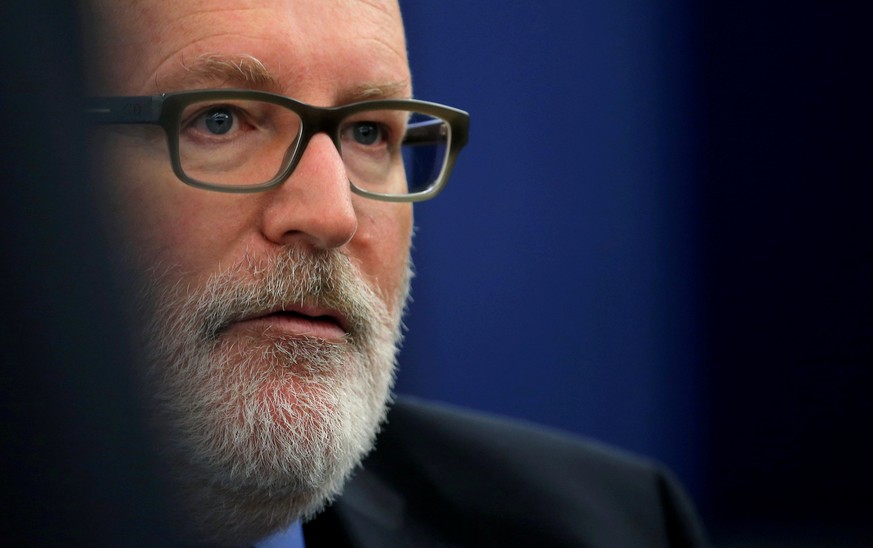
(273, 316)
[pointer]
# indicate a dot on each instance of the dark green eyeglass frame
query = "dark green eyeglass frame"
(166, 110)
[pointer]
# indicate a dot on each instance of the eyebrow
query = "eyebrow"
(213, 69)
(389, 90)
(247, 71)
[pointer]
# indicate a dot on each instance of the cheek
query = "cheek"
(133, 204)
(382, 242)
(158, 221)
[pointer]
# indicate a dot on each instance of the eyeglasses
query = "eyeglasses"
(395, 150)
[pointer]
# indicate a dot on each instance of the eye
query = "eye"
(214, 121)
(367, 133)
(218, 121)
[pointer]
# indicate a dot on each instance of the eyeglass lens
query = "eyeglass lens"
(244, 142)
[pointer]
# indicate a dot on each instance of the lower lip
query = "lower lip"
(295, 326)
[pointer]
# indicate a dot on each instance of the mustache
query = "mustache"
(325, 279)
(322, 278)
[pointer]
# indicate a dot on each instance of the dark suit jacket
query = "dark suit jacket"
(444, 477)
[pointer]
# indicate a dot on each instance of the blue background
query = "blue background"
(658, 236)
(553, 273)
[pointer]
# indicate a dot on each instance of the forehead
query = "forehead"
(316, 47)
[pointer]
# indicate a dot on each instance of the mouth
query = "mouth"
(297, 321)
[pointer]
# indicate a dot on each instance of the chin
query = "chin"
(257, 441)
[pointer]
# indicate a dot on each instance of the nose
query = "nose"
(314, 206)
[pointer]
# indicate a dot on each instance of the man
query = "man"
(262, 158)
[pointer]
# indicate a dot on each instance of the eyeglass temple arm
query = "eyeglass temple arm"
(425, 133)
(125, 110)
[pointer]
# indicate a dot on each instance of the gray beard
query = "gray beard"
(261, 429)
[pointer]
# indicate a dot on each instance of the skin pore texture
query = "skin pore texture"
(272, 318)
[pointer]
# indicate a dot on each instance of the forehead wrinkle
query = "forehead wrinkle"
(204, 67)
(381, 11)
